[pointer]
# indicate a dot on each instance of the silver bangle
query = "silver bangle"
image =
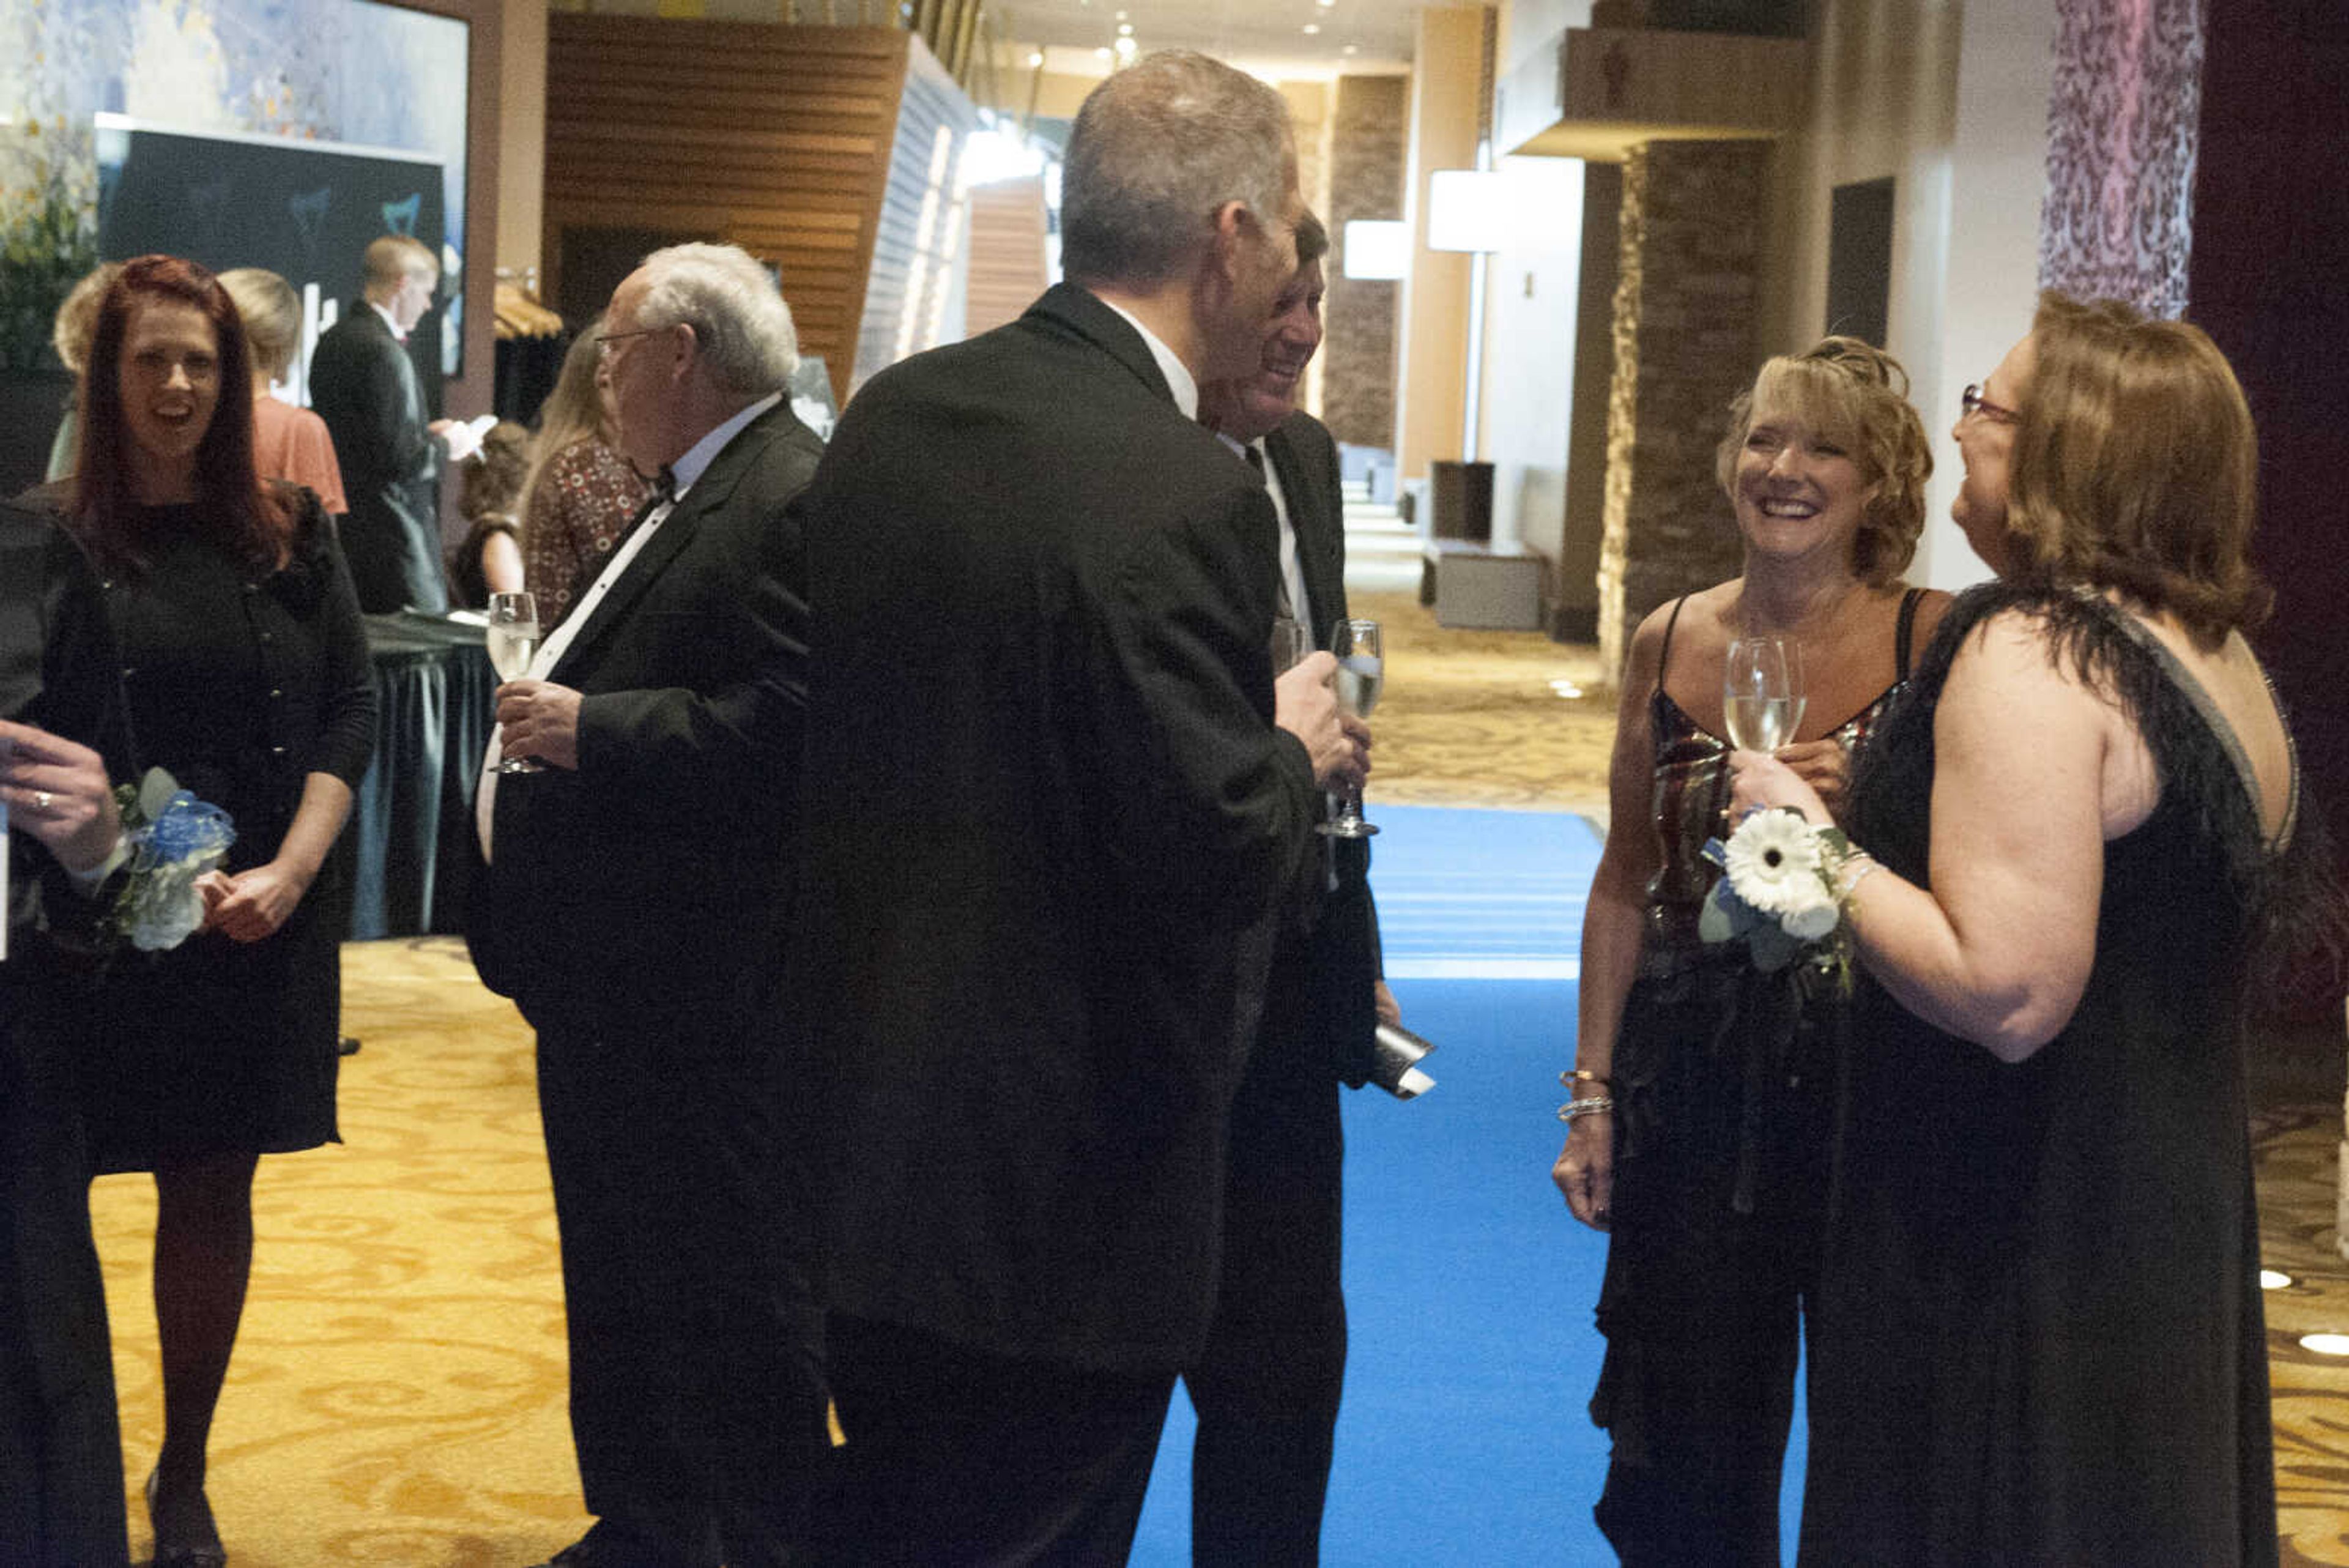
(1597, 1104)
(1857, 866)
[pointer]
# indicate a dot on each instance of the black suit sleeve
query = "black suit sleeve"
(1221, 803)
(696, 750)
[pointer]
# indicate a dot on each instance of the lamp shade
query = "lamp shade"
(1377, 250)
(1467, 210)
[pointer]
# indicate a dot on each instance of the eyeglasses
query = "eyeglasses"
(1973, 401)
(604, 341)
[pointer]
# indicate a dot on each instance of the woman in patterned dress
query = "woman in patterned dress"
(581, 493)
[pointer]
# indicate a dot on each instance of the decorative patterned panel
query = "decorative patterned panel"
(2122, 128)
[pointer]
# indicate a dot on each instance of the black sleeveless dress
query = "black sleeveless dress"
(2038, 1337)
(1723, 1082)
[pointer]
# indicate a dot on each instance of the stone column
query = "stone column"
(1367, 154)
(1686, 303)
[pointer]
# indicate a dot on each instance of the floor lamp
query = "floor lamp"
(1468, 212)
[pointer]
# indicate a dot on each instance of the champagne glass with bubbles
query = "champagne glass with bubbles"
(512, 641)
(1361, 675)
(1762, 694)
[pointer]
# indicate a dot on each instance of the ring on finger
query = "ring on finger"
(41, 799)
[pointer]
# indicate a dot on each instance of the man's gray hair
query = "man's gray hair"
(1156, 150)
(738, 317)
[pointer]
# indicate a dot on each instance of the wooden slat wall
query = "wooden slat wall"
(913, 294)
(776, 137)
(1007, 251)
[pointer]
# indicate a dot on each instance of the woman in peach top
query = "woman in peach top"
(288, 442)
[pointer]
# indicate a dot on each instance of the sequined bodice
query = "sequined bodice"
(1690, 802)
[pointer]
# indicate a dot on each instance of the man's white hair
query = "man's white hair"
(738, 316)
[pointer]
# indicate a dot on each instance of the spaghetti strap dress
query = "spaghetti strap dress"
(1723, 1082)
(2038, 1336)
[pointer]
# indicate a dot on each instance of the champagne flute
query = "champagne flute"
(1289, 646)
(1762, 692)
(1361, 675)
(512, 639)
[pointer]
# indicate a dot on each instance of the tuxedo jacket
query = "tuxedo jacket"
(364, 386)
(648, 886)
(1318, 1013)
(1048, 817)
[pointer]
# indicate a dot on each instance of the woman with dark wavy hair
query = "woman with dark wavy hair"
(2039, 1331)
(245, 669)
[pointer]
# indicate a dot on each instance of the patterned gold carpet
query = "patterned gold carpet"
(398, 1393)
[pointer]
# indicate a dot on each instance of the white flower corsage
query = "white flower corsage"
(1781, 891)
(171, 838)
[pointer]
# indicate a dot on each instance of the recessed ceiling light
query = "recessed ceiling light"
(1310, 27)
(1125, 48)
(2270, 1280)
(1126, 29)
(1348, 49)
(1327, 5)
(1101, 53)
(2325, 1344)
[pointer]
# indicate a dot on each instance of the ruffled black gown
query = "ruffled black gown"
(2038, 1337)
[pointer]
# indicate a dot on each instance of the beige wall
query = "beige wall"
(1430, 363)
(1951, 103)
(522, 135)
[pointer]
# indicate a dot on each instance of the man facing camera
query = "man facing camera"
(364, 386)
(631, 902)
(1050, 814)
(1267, 1385)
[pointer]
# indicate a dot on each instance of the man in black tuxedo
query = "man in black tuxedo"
(364, 386)
(1050, 815)
(1267, 1385)
(632, 904)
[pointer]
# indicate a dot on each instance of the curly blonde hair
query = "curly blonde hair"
(1856, 394)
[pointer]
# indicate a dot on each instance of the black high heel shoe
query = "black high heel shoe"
(200, 1553)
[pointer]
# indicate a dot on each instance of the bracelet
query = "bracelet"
(1596, 1105)
(1574, 1077)
(1858, 864)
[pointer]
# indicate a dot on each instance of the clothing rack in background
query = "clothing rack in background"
(532, 341)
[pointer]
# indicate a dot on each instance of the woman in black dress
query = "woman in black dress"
(60, 723)
(1699, 1125)
(245, 668)
(2040, 1336)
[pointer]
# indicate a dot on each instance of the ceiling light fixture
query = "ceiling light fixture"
(2272, 1280)
(1310, 29)
(1126, 29)
(2325, 1344)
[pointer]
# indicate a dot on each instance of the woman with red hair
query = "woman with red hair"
(245, 668)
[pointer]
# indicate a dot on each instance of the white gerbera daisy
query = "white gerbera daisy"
(1774, 861)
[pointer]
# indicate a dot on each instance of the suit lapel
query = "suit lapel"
(1320, 556)
(676, 531)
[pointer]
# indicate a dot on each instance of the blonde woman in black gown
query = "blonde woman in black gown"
(2039, 1338)
(1700, 1135)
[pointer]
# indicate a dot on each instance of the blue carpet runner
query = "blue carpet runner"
(1464, 1437)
